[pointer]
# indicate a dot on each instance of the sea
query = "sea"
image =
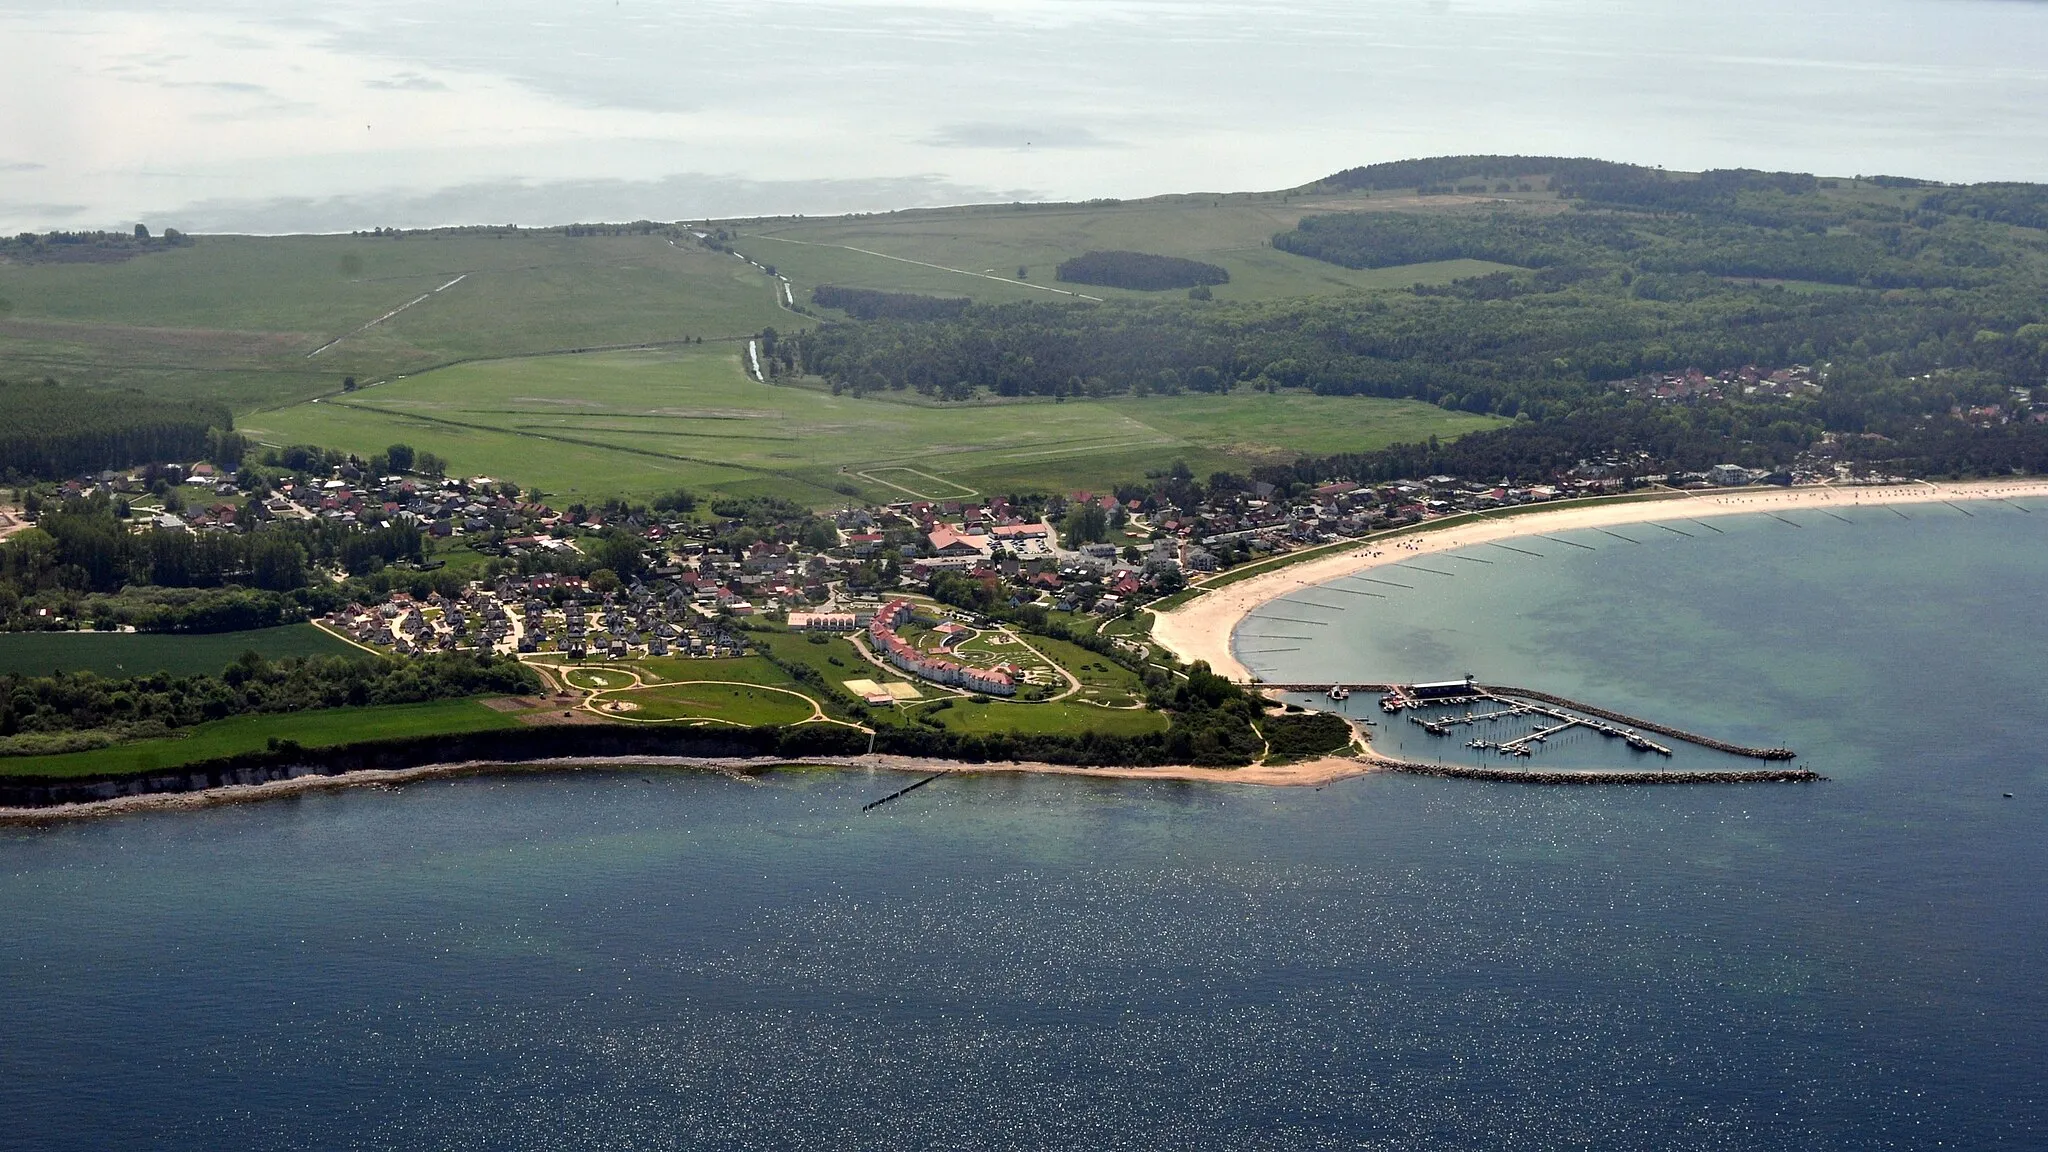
(251, 116)
(646, 959)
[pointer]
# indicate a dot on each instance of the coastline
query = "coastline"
(1308, 773)
(1204, 628)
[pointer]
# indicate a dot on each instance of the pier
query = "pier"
(1526, 776)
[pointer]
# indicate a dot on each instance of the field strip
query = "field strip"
(963, 490)
(922, 264)
(388, 315)
(1068, 449)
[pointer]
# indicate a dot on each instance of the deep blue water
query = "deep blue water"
(641, 960)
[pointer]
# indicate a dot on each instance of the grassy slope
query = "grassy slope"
(119, 654)
(240, 734)
(235, 317)
(1232, 231)
(642, 422)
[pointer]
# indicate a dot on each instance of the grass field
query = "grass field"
(240, 734)
(115, 654)
(986, 244)
(638, 423)
(728, 703)
(236, 317)
(1047, 719)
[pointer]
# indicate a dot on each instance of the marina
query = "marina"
(1519, 723)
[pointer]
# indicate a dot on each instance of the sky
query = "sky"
(230, 115)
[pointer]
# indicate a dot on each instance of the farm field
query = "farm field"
(239, 734)
(896, 251)
(115, 654)
(237, 318)
(640, 423)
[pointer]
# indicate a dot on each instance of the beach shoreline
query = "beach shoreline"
(1205, 628)
(1308, 773)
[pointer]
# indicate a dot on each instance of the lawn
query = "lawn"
(115, 654)
(731, 703)
(239, 734)
(1040, 719)
(639, 423)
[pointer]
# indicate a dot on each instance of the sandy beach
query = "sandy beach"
(1202, 628)
(1307, 773)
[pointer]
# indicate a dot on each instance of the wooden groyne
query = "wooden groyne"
(898, 794)
(1527, 776)
(1651, 725)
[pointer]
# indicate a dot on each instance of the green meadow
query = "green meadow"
(118, 654)
(638, 423)
(321, 729)
(986, 244)
(238, 318)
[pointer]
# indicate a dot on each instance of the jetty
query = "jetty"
(1593, 777)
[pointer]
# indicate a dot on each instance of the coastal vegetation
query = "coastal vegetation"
(39, 712)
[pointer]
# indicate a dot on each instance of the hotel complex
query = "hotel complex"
(882, 630)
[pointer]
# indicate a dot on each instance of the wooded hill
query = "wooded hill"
(1921, 301)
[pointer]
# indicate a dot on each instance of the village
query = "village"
(625, 582)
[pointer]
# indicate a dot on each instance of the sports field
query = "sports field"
(639, 423)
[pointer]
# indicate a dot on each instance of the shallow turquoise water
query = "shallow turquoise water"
(649, 960)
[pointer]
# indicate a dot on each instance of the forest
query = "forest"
(1139, 271)
(1924, 252)
(53, 432)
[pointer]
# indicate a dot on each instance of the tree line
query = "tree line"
(870, 304)
(135, 707)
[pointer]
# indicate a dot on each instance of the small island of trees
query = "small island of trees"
(1140, 271)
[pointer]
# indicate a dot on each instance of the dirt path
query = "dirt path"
(922, 264)
(421, 299)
